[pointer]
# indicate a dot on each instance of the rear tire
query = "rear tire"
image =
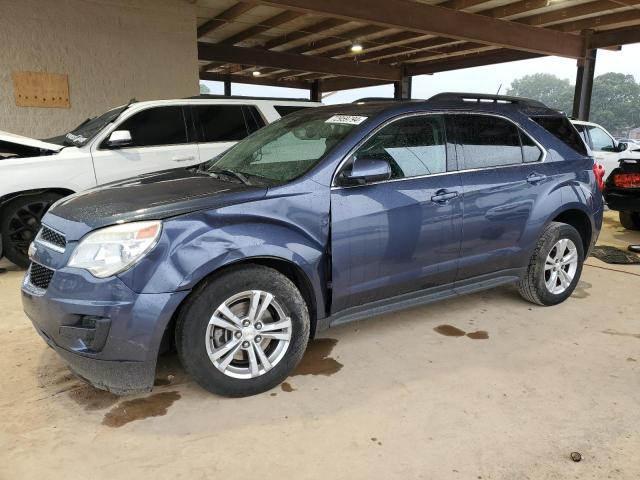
(264, 343)
(630, 220)
(555, 266)
(20, 223)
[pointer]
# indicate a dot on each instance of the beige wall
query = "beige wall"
(111, 50)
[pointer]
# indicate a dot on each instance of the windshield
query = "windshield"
(285, 149)
(88, 129)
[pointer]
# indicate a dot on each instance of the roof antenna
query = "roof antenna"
(499, 88)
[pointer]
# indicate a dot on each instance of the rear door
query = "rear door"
(219, 127)
(401, 235)
(159, 142)
(502, 174)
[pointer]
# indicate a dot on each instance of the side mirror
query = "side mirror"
(367, 170)
(119, 138)
(622, 146)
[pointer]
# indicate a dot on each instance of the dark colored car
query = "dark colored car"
(326, 216)
(622, 193)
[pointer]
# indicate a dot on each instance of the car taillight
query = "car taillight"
(627, 180)
(598, 171)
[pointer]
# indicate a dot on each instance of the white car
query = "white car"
(133, 139)
(607, 151)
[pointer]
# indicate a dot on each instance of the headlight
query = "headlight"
(112, 250)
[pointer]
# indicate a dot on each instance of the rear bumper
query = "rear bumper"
(108, 334)
(623, 201)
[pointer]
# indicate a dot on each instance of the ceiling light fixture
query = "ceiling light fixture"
(256, 73)
(356, 48)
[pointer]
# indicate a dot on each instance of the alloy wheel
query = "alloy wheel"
(560, 266)
(248, 334)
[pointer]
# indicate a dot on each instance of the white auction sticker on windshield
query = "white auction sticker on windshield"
(346, 119)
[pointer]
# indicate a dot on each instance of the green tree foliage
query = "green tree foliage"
(552, 91)
(204, 89)
(615, 101)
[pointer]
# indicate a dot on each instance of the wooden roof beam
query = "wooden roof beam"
(228, 15)
(306, 63)
(614, 38)
(429, 19)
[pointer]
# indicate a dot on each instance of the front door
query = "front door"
(403, 234)
(159, 142)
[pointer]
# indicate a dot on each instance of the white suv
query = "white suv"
(607, 151)
(137, 138)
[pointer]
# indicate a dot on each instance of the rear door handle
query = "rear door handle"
(443, 196)
(183, 159)
(536, 178)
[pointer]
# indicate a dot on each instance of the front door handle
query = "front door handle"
(536, 178)
(183, 159)
(443, 196)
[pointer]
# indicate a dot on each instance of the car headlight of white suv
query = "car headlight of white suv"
(112, 250)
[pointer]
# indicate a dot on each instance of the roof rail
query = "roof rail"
(386, 99)
(485, 98)
(204, 96)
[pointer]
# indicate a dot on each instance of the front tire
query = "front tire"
(20, 223)
(630, 220)
(243, 331)
(555, 266)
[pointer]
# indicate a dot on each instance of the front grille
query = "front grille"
(47, 235)
(40, 276)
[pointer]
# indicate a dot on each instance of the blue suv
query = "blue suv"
(327, 216)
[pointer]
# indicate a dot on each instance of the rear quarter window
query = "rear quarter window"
(562, 129)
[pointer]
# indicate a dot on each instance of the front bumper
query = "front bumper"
(108, 334)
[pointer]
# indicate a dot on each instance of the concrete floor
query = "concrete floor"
(387, 398)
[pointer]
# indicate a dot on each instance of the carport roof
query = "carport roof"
(293, 43)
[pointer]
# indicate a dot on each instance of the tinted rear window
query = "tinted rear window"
(221, 123)
(563, 129)
(287, 109)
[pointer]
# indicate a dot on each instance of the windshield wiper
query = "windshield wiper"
(233, 174)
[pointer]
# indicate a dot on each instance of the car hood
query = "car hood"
(29, 142)
(152, 197)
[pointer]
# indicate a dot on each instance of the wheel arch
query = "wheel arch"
(580, 220)
(286, 267)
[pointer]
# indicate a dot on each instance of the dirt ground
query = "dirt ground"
(480, 387)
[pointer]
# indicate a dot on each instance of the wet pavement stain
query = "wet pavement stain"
(581, 290)
(286, 387)
(449, 331)
(316, 360)
(479, 335)
(155, 405)
(92, 398)
(621, 334)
